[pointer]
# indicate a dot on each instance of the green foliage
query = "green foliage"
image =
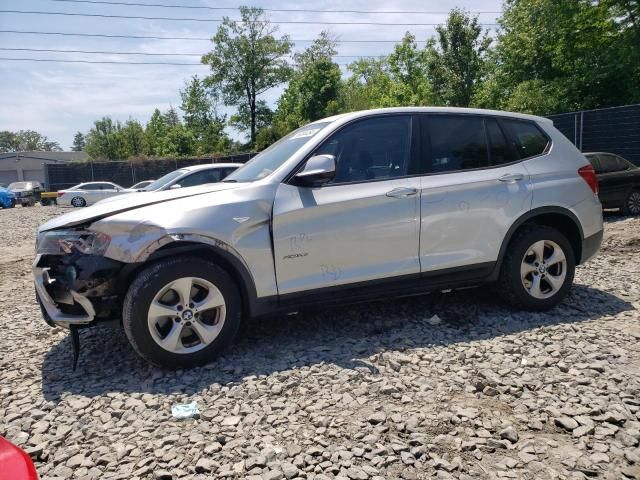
(583, 54)
(247, 60)
(400, 79)
(455, 59)
(200, 117)
(78, 142)
(26, 140)
(314, 88)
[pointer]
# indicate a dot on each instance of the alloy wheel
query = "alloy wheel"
(633, 203)
(78, 202)
(186, 315)
(543, 269)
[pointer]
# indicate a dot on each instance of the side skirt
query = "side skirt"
(406, 285)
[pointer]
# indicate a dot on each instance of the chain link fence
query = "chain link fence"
(615, 130)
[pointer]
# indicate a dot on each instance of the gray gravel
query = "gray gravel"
(374, 391)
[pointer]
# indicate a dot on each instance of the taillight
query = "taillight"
(61, 192)
(588, 174)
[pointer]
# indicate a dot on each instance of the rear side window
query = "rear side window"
(611, 163)
(526, 137)
(500, 152)
(458, 142)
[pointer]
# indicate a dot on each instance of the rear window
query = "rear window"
(526, 137)
(458, 142)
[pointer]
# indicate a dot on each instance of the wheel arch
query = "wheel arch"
(224, 258)
(562, 219)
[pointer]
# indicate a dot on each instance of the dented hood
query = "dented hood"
(128, 202)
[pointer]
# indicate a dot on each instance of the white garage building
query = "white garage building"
(22, 166)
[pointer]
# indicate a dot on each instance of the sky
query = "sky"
(59, 99)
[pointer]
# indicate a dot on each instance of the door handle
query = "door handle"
(402, 192)
(511, 177)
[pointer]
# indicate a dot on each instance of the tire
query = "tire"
(522, 256)
(147, 330)
(13, 203)
(632, 203)
(45, 202)
(78, 202)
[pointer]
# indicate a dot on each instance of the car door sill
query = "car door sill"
(400, 286)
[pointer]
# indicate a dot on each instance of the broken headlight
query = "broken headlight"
(63, 242)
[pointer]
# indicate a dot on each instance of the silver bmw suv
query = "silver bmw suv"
(353, 207)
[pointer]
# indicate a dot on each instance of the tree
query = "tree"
(455, 60)
(78, 142)
(201, 118)
(178, 142)
(314, 88)
(106, 141)
(247, 60)
(26, 140)
(155, 131)
(398, 79)
(171, 117)
(583, 53)
(134, 138)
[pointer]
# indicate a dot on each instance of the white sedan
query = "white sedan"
(88, 193)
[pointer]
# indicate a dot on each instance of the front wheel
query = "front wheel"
(632, 203)
(181, 312)
(538, 269)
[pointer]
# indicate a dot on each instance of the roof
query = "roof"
(211, 165)
(54, 157)
(458, 110)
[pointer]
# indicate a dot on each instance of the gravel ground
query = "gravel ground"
(385, 390)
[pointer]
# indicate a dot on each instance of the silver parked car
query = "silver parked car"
(358, 206)
(88, 193)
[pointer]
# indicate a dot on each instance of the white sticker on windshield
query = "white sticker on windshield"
(306, 133)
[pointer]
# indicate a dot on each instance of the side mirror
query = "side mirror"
(318, 170)
(174, 186)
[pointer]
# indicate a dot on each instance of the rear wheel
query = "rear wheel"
(78, 202)
(181, 312)
(632, 203)
(538, 270)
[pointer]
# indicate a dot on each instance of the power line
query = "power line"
(154, 37)
(218, 20)
(289, 10)
(49, 60)
(96, 61)
(53, 50)
(104, 52)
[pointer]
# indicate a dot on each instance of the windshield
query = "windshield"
(270, 159)
(162, 181)
(20, 185)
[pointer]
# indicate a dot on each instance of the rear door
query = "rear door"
(474, 190)
(363, 225)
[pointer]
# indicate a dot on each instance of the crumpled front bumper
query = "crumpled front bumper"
(52, 314)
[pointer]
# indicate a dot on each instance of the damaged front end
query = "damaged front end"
(75, 284)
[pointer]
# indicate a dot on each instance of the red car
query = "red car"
(15, 464)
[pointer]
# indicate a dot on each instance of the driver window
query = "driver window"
(370, 149)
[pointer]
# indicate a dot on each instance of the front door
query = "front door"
(364, 224)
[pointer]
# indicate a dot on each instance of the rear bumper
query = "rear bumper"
(590, 246)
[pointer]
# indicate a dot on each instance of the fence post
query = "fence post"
(581, 127)
(92, 177)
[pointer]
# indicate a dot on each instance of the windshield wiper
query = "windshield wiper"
(230, 181)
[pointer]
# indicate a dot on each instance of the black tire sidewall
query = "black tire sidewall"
(144, 288)
(625, 209)
(511, 269)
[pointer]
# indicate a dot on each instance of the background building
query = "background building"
(22, 166)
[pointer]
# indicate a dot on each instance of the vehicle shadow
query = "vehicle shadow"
(344, 336)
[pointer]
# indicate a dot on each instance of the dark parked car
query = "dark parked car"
(619, 181)
(27, 193)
